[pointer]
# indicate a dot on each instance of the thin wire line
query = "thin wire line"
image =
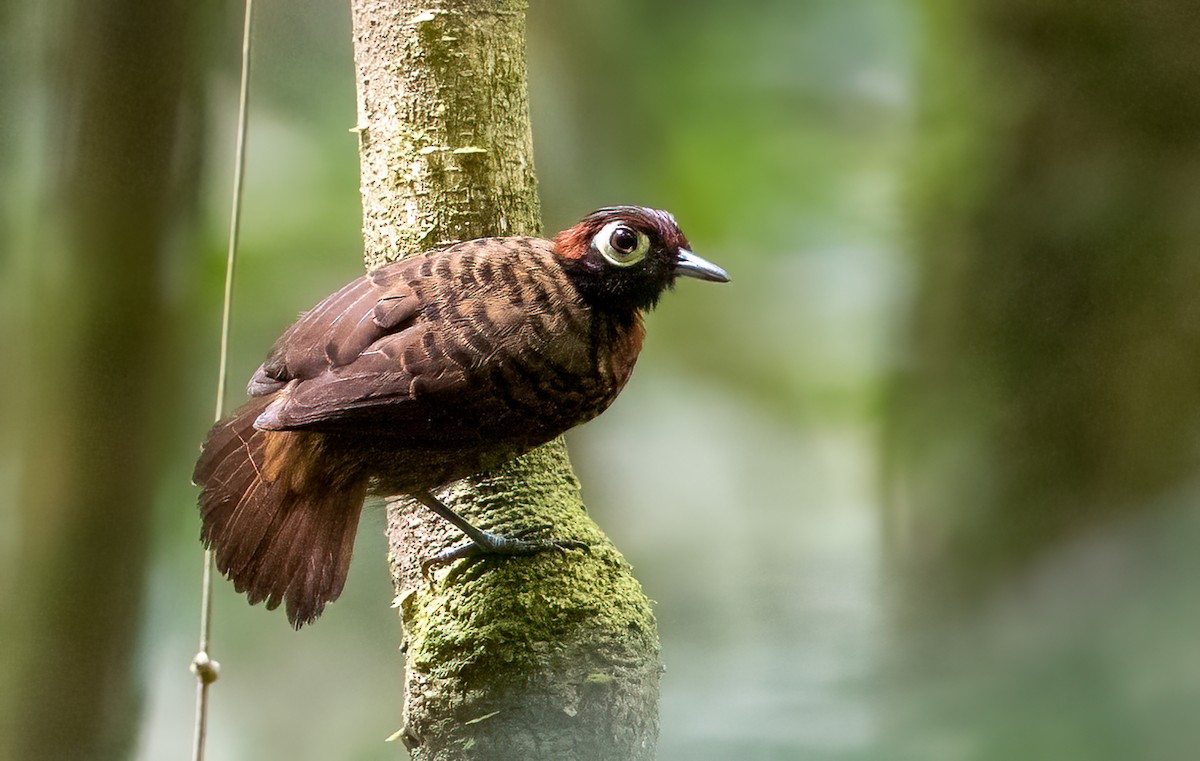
(203, 666)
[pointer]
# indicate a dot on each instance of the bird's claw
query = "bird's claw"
(498, 544)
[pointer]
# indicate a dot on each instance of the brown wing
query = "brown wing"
(437, 348)
(342, 326)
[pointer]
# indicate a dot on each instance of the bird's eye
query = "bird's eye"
(623, 239)
(621, 245)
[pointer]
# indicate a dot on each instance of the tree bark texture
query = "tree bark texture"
(549, 657)
(88, 332)
(1053, 380)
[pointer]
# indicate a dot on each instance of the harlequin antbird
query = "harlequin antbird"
(425, 371)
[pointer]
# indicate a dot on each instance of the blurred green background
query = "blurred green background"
(921, 484)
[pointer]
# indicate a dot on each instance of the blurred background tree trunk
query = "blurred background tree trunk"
(1044, 426)
(89, 308)
(1055, 373)
(547, 657)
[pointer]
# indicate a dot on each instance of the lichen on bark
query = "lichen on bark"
(553, 656)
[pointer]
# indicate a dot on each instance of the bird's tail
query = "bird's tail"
(280, 520)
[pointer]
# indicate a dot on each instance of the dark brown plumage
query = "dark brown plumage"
(420, 373)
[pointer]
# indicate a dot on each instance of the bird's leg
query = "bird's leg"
(485, 543)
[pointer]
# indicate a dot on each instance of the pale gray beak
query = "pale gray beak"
(688, 264)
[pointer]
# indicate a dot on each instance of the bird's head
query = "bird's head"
(622, 258)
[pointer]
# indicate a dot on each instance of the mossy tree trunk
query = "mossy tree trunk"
(550, 657)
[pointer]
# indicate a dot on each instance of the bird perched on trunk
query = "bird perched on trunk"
(422, 372)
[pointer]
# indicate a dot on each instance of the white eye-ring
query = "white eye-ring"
(620, 244)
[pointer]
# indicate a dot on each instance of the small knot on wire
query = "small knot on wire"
(205, 668)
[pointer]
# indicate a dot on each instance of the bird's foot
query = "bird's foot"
(490, 544)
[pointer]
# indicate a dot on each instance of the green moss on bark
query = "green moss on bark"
(544, 599)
